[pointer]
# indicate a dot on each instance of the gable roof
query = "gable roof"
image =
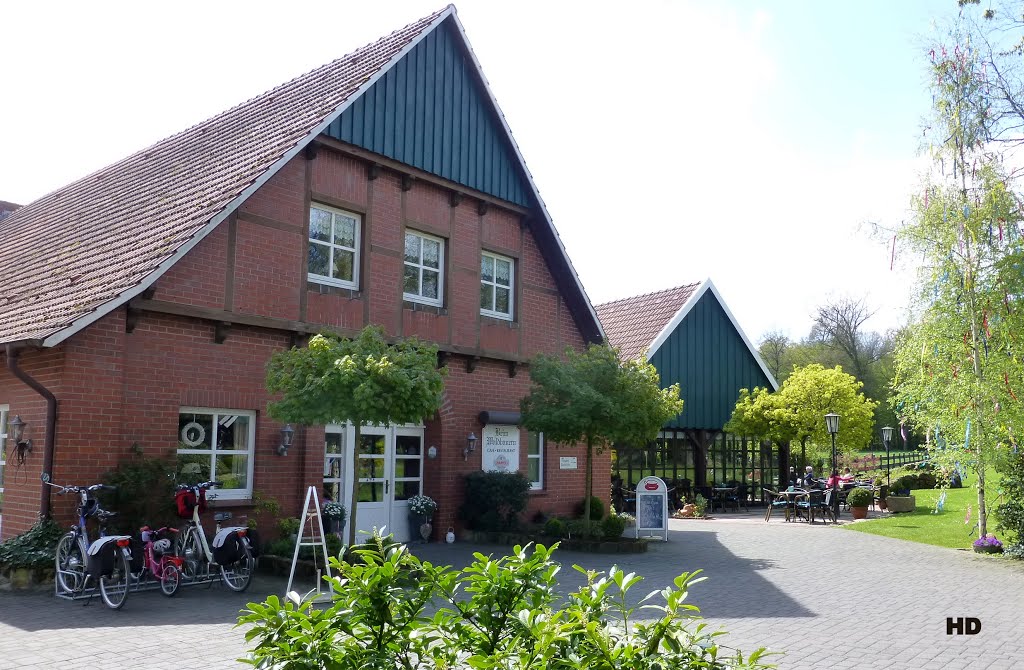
(631, 324)
(646, 321)
(79, 253)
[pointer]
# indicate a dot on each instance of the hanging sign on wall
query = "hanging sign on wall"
(500, 448)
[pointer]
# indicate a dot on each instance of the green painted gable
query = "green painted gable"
(432, 111)
(711, 362)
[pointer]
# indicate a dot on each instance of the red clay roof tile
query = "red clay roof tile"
(631, 324)
(83, 246)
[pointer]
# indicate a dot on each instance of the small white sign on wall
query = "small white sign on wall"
(500, 448)
(567, 463)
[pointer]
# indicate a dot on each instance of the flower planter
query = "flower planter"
(897, 504)
(859, 512)
(988, 549)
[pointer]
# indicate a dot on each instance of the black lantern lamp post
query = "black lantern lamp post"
(886, 439)
(832, 425)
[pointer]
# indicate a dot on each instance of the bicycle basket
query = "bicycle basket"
(186, 501)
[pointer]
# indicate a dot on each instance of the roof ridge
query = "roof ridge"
(246, 103)
(644, 295)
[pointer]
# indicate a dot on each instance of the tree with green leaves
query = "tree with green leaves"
(364, 381)
(796, 412)
(595, 398)
(958, 371)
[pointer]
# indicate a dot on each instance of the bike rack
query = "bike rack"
(136, 585)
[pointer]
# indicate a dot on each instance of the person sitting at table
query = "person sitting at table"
(810, 481)
(793, 479)
(834, 480)
(846, 477)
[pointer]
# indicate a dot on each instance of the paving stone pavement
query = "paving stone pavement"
(825, 596)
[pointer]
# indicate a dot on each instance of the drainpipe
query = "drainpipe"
(51, 426)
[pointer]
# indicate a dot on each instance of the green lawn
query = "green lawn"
(945, 529)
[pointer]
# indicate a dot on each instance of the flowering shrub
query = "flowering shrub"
(422, 505)
(335, 510)
(1014, 551)
(989, 540)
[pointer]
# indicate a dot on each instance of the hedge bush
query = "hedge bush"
(596, 508)
(859, 498)
(34, 548)
(494, 500)
(612, 527)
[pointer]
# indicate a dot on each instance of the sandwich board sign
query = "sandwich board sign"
(652, 508)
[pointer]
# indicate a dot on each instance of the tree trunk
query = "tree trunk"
(589, 485)
(355, 485)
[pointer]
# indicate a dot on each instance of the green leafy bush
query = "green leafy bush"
(596, 508)
(700, 504)
(32, 549)
(576, 529)
(494, 500)
(496, 613)
(144, 495)
(288, 526)
(858, 498)
(285, 547)
(1010, 512)
(554, 527)
(612, 527)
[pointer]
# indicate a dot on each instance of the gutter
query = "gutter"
(51, 426)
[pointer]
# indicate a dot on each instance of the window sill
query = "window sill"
(537, 492)
(422, 307)
(222, 503)
(328, 289)
(497, 321)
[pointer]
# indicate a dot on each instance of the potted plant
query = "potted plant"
(858, 500)
(421, 511)
(335, 513)
(988, 545)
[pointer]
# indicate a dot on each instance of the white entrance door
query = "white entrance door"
(389, 463)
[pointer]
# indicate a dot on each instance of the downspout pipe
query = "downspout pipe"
(51, 426)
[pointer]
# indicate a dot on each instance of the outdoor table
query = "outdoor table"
(721, 494)
(791, 498)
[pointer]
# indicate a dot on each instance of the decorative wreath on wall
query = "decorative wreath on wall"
(193, 433)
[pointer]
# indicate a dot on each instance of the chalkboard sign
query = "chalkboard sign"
(652, 508)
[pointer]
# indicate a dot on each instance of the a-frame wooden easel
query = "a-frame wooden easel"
(312, 526)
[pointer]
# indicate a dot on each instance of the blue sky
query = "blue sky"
(672, 141)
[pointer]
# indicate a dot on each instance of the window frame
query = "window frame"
(5, 412)
(537, 485)
(493, 313)
(334, 281)
(225, 494)
(413, 297)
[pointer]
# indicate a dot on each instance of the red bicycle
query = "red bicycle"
(158, 561)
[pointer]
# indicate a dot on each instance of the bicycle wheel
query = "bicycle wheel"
(238, 575)
(114, 587)
(170, 579)
(70, 564)
(191, 551)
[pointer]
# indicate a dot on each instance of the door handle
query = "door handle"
(387, 487)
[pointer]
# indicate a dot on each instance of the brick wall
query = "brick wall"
(116, 389)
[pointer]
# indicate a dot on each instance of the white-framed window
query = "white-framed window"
(423, 280)
(217, 445)
(333, 246)
(334, 464)
(4, 412)
(496, 280)
(535, 459)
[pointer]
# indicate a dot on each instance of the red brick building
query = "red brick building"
(140, 304)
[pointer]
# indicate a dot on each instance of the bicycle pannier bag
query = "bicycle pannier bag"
(228, 547)
(100, 561)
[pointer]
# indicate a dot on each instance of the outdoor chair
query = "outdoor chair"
(776, 501)
(814, 503)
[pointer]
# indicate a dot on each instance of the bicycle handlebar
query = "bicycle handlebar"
(79, 489)
(200, 485)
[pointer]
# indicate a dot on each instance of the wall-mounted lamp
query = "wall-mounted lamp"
(470, 447)
(286, 439)
(432, 452)
(17, 427)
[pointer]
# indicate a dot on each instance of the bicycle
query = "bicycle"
(106, 560)
(230, 550)
(167, 570)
